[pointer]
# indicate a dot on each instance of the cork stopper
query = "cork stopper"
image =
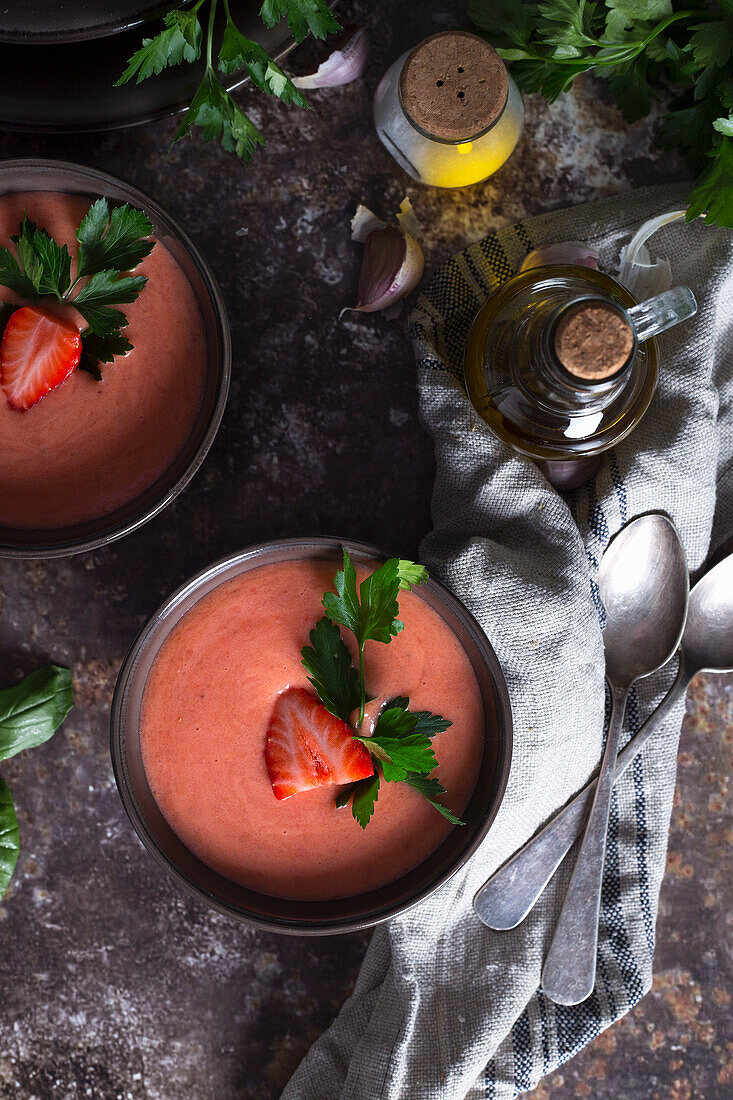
(593, 340)
(454, 86)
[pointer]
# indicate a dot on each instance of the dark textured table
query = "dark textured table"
(113, 983)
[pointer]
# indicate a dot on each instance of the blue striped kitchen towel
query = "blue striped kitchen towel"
(445, 1009)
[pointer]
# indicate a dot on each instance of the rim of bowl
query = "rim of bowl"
(305, 927)
(109, 530)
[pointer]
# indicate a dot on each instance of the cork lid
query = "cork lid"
(454, 86)
(593, 340)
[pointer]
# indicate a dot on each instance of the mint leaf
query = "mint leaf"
(238, 52)
(115, 241)
(430, 788)
(32, 711)
(366, 793)
(328, 664)
(180, 41)
(302, 16)
(9, 837)
(214, 111)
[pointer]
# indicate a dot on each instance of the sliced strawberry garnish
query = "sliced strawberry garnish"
(38, 351)
(307, 747)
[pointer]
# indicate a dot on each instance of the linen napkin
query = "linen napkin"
(444, 1008)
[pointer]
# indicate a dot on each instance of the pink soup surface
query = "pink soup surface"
(89, 447)
(204, 720)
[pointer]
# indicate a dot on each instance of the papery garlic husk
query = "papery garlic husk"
(640, 274)
(408, 219)
(565, 252)
(363, 222)
(348, 61)
(391, 268)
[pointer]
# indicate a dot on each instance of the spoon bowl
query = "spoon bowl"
(643, 584)
(708, 637)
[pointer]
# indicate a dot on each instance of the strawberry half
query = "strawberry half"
(307, 747)
(38, 351)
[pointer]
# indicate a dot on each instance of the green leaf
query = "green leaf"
(639, 11)
(410, 573)
(567, 23)
(99, 292)
(328, 664)
(711, 44)
(13, 277)
(430, 788)
(629, 85)
(401, 755)
(115, 241)
(724, 125)
(32, 711)
(101, 349)
(366, 793)
(214, 111)
(505, 17)
(371, 614)
(238, 52)
(713, 192)
(29, 259)
(180, 41)
(53, 268)
(9, 837)
(302, 16)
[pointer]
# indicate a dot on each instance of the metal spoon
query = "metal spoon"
(707, 646)
(644, 585)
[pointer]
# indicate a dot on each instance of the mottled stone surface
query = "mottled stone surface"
(113, 984)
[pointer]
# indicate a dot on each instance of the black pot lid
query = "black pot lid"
(54, 21)
(69, 86)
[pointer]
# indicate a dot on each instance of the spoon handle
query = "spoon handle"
(569, 973)
(507, 897)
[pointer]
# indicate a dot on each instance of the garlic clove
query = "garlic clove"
(391, 268)
(565, 252)
(347, 62)
(363, 222)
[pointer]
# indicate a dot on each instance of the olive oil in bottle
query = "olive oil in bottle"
(561, 361)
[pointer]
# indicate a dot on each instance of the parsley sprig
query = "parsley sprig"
(212, 109)
(642, 47)
(401, 742)
(110, 246)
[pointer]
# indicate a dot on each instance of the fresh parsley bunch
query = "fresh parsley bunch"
(110, 246)
(30, 713)
(212, 109)
(401, 743)
(642, 47)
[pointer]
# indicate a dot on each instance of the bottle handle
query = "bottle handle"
(661, 312)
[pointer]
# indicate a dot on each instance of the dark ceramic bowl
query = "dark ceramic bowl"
(278, 914)
(50, 175)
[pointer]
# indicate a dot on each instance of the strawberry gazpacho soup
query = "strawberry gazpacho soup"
(102, 358)
(311, 732)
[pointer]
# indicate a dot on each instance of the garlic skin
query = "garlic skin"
(392, 267)
(566, 252)
(363, 222)
(640, 274)
(346, 63)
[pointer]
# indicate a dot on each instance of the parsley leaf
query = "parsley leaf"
(328, 664)
(115, 241)
(13, 277)
(365, 795)
(180, 41)
(95, 297)
(399, 746)
(371, 613)
(238, 52)
(430, 788)
(96, 349)
(46, 264)
(214, 111)
(302, 16)
(639, 46)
